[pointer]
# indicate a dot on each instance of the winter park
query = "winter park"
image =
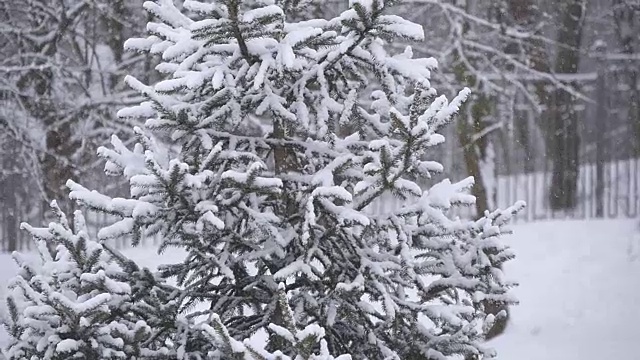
(320, 179)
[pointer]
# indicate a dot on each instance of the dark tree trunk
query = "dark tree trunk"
(627, 22)
(56, 162)
(115, 31)
(472, 126)
(563, 137)
(9, 185)
(525, 14)
(475, 151)
(564, 149)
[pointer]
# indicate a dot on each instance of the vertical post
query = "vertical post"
(601, 123)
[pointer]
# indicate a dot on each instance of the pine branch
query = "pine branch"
(233, 8)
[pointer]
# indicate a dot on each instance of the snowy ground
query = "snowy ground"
(579, 290)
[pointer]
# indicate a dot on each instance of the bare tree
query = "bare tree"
(61, 63)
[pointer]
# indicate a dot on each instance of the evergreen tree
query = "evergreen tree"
(69, 302)
(307, 343)
(264, 147)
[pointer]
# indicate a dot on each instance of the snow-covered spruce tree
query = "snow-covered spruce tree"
(262, 151)
(307, 343)
(68, 302)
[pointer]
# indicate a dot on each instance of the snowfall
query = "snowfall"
(579, 290)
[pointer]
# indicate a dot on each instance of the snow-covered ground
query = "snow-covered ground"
(579, 290)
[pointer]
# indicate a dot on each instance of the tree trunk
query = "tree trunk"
(526, 14)
(563, 138)
(633, 115)
(476, 150)
(471, 128)
(627, 29)
(56, 162)
(115, 32)
(9, 184)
